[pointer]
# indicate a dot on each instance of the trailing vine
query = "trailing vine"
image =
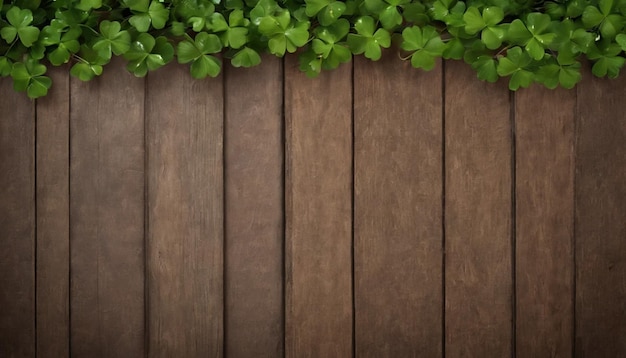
(524, 40)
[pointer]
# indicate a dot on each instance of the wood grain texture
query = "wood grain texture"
(600, 219)
(398, 209)
(107, 211)
(545, 122)
(53, 227)
(185, 214)
(478, 220)
(17, 223)
(254, 210)
(318, 119)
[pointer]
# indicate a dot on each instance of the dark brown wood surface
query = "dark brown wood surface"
(600, 219)
(318, 189)
(544, 198)
(478, 216)
(254, 229)
(53, 226)
(398, 209)
(107, 211)
(17, 223)
(185, 214)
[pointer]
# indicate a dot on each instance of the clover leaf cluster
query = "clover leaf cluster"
(527, 41)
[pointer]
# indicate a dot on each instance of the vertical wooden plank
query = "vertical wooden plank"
(107, 211)
(600, 219)
(53, 231)
(185, 214)
(544, 224)
(318, 212)
(478, 210)
(17, 223)
(398, 209)
(254, 210)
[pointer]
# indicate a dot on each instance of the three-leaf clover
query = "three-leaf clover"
(486, 23)
(425, 43)
(514, 65)
(327, 11)
(327, 44)
(113, 39)
(156, 15)
(607, 59)
(147, 53)
(535, 34)
(283, 33)
(29, 76)
(197, 51)
(609, 24)
(246, 57)
(20, 26)
(368, 39)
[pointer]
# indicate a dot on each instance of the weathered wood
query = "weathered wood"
(17, 223)
(544, 121)
(318, 212)
(185, 214)
(107, 211)
(600, 219)
(53, 227)
(254, 210)
(478, 216)
(398, 209)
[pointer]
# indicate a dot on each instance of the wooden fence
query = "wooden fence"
(377, 211)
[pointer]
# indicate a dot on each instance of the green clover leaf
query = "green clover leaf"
(607, 62)
(156, 15)
(20, 26)
(284, 34)
(147, 53)
(89, 64)
(425, 43)
(197, 51)
(29, 76)
(68, 45)
(113, 40)
(327, 11)
(555, 72)
(327, 44)
(534, 34)
(514, 65)
(246, 57)
(368, 39)
(609, 24)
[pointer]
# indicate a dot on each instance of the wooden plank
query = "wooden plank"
(544, 221)
(53, 230)
(107, 211)
(600, 219)
(17, 223)
(254, 210)
(185, 214)
(398, 209)
(478, 220)
(318, 212)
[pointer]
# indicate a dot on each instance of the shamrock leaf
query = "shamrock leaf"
(283, 33)
(197, 51)
(602, 17)
(555, 72)
(147, 53)
(89, 64)
(156, 15)
(86, 5)
(20, 26)
(6, 65)
(514, 65)
(487, 24)
(112, 40)
(327, 11)
(326, 44)
(67, 45)
(246, 57)
(29, 77)
(534, 35)
(367, 40)
(607, 62)
(426, 44)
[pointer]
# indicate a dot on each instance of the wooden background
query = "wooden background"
(377, 211)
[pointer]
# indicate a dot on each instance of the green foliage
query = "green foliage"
(525, 41)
